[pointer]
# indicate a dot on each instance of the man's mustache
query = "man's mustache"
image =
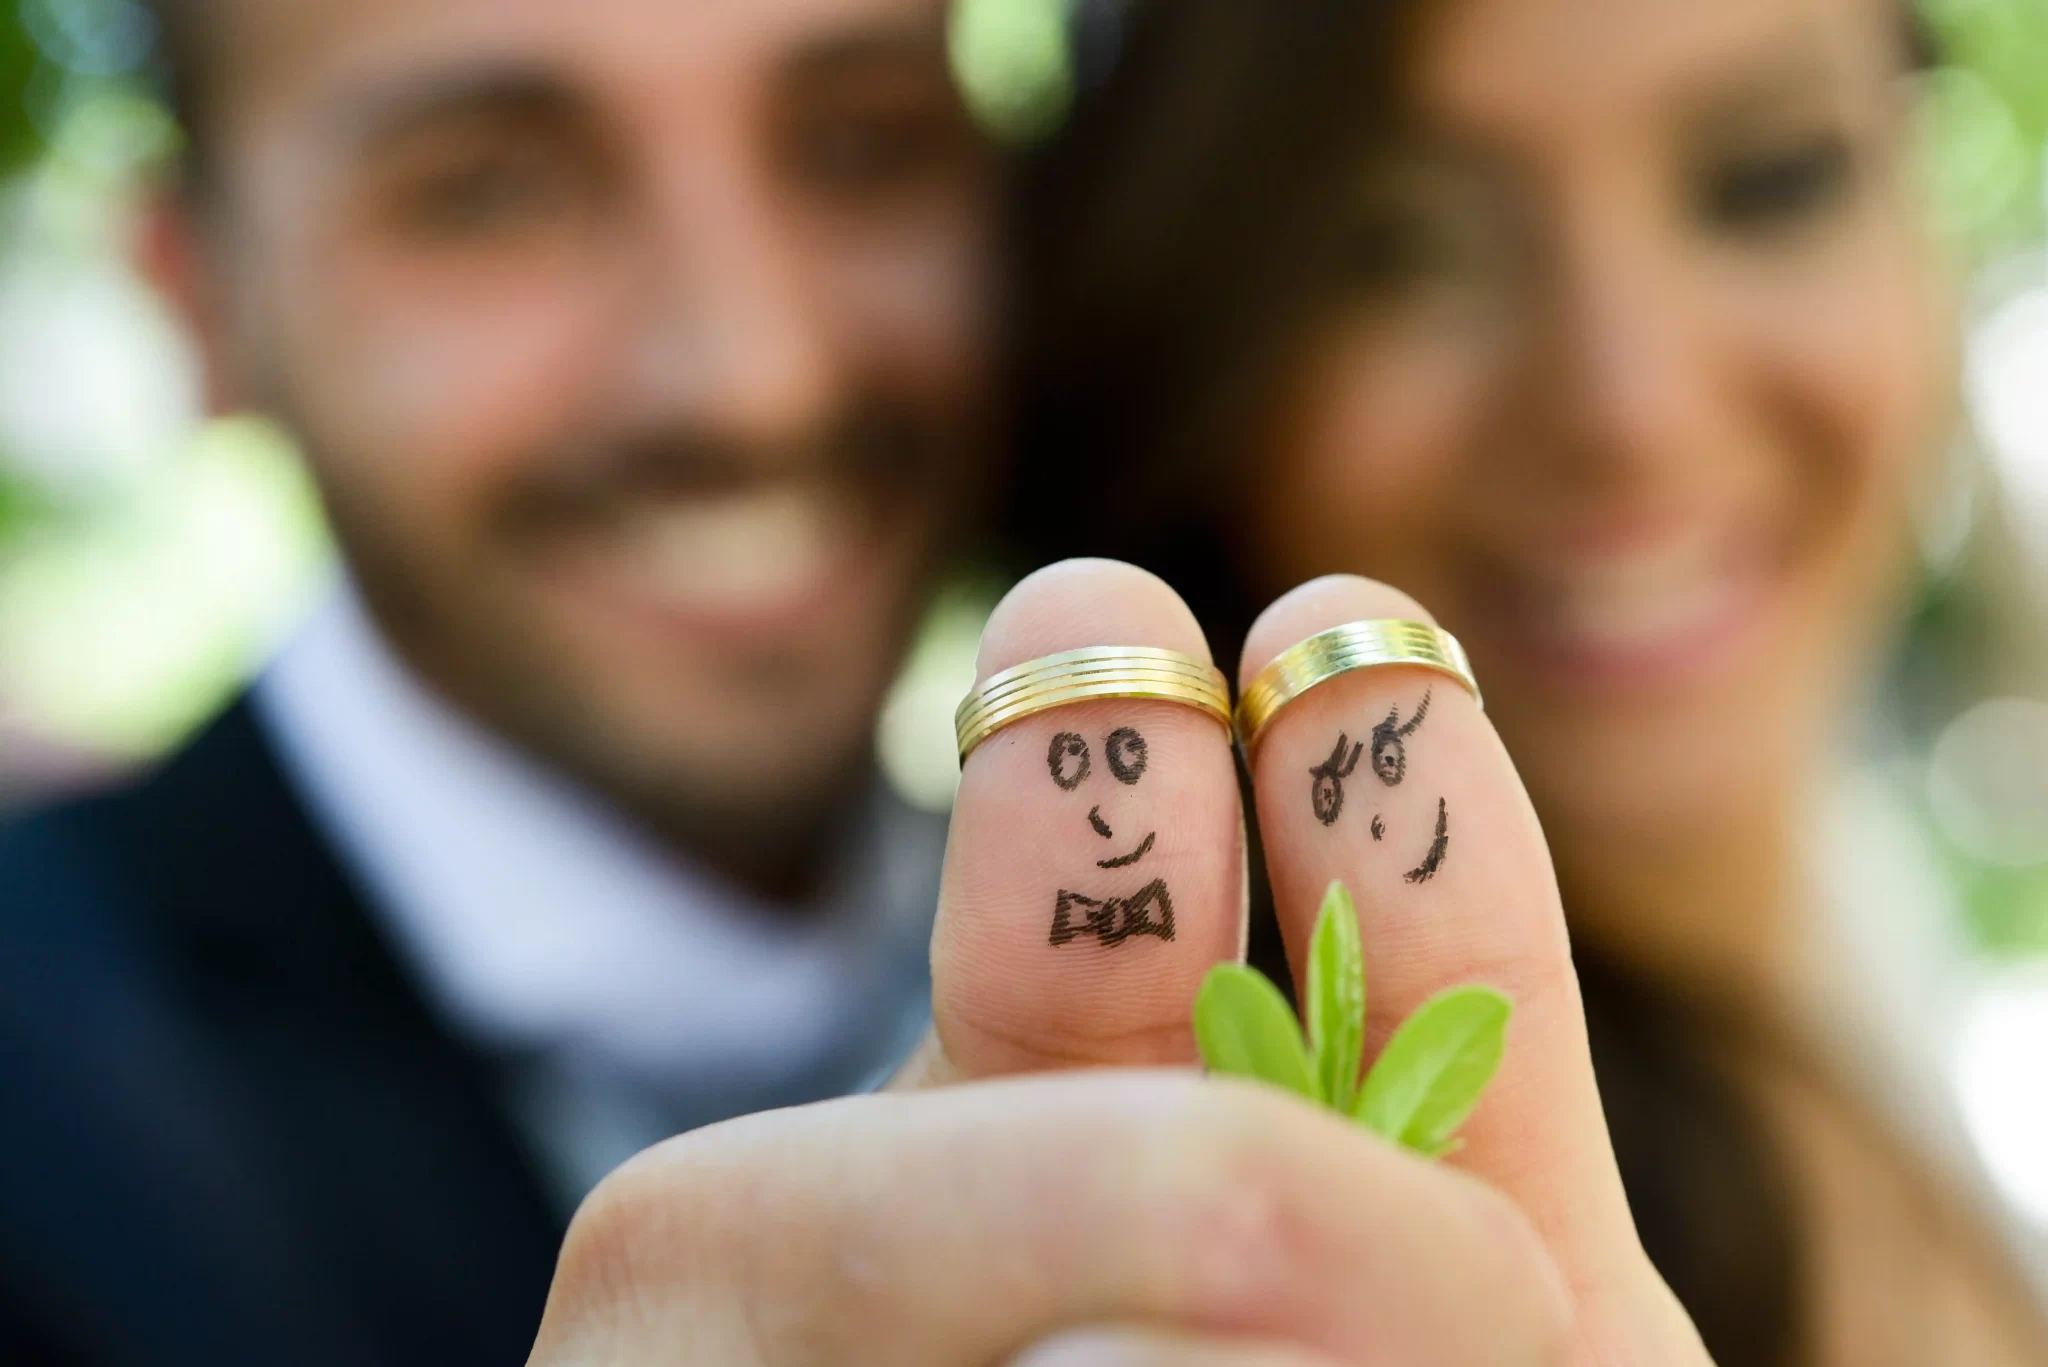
(870, 453)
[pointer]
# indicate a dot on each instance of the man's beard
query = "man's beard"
(772, 840)
(472, 642)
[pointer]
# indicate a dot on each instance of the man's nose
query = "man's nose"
(735, 334)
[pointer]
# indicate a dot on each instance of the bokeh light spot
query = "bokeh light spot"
(2004, 1038)
(1014, 64)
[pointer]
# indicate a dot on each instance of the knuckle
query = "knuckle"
(1274, 1211)
(641, 1276)
(1522, 1278)
(1245, 1227)
(643, 1216)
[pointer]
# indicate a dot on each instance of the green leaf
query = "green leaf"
(1246, 1029)
(1336, 998)
(1433, 1071)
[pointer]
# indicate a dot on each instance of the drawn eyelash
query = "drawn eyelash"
(1389, 742)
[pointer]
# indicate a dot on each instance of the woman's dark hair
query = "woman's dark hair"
(1171, 241)
(1166, 246)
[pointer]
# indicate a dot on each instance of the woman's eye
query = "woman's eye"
(1393, 248)
(1781, 189)
(853, 155)
(1399, 262)
(1413, 264)
(849, 154)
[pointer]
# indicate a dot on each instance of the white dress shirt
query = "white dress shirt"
(629, 995)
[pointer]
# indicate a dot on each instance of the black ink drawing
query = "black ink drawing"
(1122, 861)
(1379, 829)
(1067, 757)
(1434, 860)
(1111, 920)
(1389, 747)
(1327, 794)
(1125, 861)
(1114, 920)
(1127, 755)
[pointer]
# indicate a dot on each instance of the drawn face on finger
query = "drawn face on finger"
(1069, 760)
(1125, 755)
(1390, 765)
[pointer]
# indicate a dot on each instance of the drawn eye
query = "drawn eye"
(1126, 753)
(1067, 758)
(1327, 797)
(1389, 742)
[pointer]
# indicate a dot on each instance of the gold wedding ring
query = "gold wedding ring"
(1359, 645)
(1076, 676)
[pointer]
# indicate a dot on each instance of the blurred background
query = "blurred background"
(150, 560)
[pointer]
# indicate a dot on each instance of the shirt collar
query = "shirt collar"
(542, 921)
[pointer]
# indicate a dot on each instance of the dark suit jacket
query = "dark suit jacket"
(230, 1132)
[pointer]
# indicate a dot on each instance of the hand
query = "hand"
(1155, 1216)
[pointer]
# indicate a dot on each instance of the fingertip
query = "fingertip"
(1317, 606)
(1082, 902)
(1079, 603)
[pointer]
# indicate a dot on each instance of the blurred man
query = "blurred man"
(638, 349)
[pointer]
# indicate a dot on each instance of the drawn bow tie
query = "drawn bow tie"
(1113, 920)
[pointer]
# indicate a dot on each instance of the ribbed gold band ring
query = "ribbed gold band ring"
(1077, 676)
(1340, 651)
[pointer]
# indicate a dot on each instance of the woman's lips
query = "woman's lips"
(1658, 618)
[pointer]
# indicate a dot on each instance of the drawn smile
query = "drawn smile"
(1102, 829)
(1133, 857)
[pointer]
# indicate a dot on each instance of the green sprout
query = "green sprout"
(1426, 1081)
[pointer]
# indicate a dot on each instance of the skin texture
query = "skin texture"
(639, 351)
(1637, 384)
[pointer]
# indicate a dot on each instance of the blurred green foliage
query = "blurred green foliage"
(19, 145)
(1989, 104)
(16, 504)
(18, 61)
(2008, 908)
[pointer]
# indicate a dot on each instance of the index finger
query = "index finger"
(1392, 780)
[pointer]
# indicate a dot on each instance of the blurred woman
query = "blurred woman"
(1614, 331)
